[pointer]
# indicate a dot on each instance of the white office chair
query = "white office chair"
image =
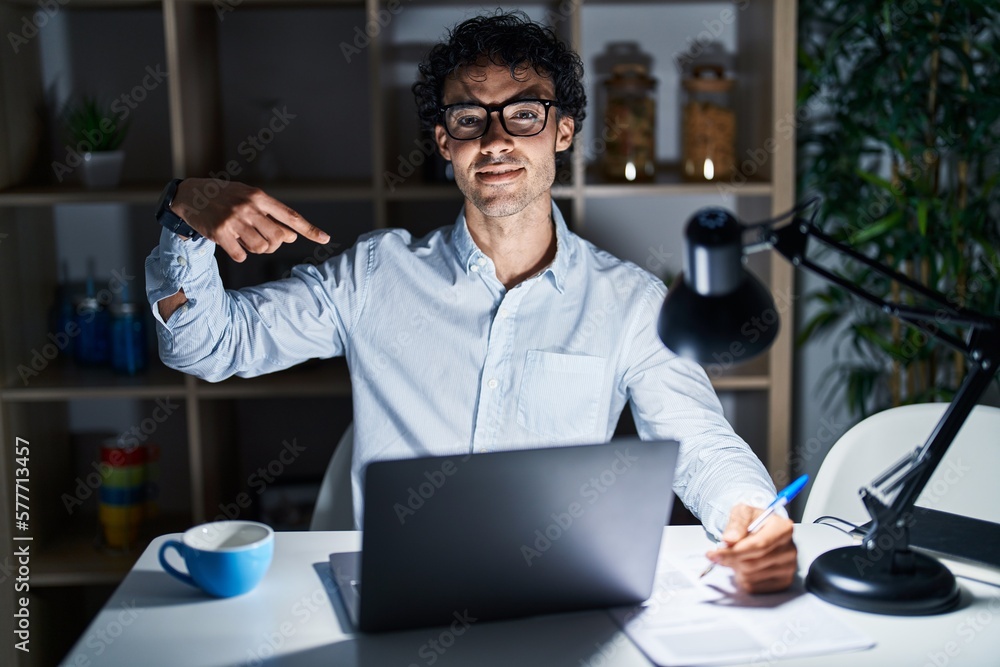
(965, 482)
(334, 508)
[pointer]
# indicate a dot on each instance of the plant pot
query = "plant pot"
(102, 169)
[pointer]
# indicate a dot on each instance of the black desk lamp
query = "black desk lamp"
(706, 314)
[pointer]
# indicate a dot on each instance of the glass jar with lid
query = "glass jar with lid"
(630, 124)
(709, 125)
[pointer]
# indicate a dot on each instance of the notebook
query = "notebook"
(460, 539)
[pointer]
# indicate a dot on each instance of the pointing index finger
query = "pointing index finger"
(291, 218)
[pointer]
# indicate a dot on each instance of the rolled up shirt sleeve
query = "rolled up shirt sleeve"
(218, 333)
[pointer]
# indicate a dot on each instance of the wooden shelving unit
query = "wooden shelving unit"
(199, 98)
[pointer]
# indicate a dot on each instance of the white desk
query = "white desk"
(295, 617)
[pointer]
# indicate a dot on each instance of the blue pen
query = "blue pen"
(783, 498)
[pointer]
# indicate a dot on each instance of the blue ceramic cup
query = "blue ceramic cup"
(224, 558)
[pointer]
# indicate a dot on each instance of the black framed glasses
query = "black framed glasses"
(520, 118)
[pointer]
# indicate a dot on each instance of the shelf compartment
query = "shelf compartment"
(60, 382)
(669, 181)
(742, 383)
(117, 54)
(49, 195)
(282, 117)
(76, 557)
(148, 194)
(328, 377)
(730, 373)
(320, 191)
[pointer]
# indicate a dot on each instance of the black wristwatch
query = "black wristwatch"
(168, 218)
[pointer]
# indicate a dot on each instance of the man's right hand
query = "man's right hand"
(240, 218)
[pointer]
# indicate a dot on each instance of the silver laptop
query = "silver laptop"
(507, 534)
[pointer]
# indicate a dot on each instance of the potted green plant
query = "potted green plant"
(901, 137)
(96, 135)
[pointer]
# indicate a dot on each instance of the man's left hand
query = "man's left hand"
(762, 562)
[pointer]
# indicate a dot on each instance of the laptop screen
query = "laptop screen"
(513, 533)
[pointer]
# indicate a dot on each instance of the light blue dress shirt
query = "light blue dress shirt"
(445, 360)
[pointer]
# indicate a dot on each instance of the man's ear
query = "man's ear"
(441, 138)
(564, 133)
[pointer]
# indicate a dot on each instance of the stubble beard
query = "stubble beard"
(501, 201)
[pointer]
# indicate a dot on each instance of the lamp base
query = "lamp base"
(847, 577)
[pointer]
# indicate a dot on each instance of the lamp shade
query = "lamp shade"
(716, 312)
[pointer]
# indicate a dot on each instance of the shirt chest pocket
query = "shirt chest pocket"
(560, 395)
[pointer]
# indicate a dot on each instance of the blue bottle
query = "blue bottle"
(128, 336)
(93, 342)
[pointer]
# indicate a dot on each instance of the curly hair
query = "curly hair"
(510, 39)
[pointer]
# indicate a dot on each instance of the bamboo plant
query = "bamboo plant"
(900, 104)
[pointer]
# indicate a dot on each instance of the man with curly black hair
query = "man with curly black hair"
(503, 330)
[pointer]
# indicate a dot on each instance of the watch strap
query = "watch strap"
(170, 220)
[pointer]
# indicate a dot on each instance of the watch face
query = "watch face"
(168, 195)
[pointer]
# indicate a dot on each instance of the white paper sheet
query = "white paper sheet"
(688, 621)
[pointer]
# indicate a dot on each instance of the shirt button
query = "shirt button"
(504, 313)
(492, 384)
(182, 261)
(482, 261)
(474, 267)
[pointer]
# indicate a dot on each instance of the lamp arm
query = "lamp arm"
(975, 384)
(890, 522)
(921, 318)
(792, 240)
